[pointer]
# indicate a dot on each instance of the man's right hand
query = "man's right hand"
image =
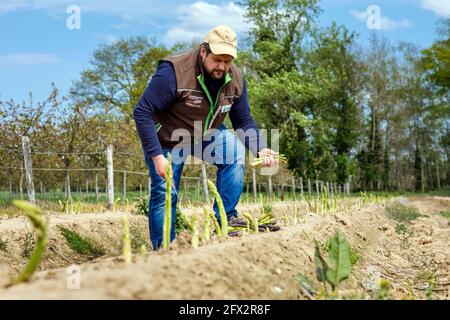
(160, 163)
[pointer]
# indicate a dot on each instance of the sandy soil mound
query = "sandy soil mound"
(264, 266)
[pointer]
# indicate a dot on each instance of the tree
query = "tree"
(119, 75)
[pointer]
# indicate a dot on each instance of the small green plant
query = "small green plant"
(137, 238)
(252, 222)
(445, 214)
(402, 229)
(115, 204)
(384, 291)
(68, 206)
(195, 232)
(181, 222)
(364, 197)
(353, 253)
(81, 245)
(40, 223)
(29, 244)
(206, 225)
(266, 208)
(431, 279)
(213, 218)
(126, 242)
(401, 213)
(141, 208)
(331, 271)
(223, 215)
(3, 245)
(168, 206)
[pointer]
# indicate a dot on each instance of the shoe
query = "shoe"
(234, 233)
(237, 222)
(268, 227)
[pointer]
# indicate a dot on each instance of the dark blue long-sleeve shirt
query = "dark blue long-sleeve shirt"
(161, 93)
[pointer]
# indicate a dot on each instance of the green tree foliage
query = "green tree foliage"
(118, 76)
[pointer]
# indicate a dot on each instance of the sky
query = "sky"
(40, 41)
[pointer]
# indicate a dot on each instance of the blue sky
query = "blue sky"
(36, 47)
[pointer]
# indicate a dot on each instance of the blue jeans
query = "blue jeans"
(224, 151)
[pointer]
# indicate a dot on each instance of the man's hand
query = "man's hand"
(267, 156)
(160, 163)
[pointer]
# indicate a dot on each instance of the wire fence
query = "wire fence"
(104, 180)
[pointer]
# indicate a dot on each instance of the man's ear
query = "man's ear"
(202, 52)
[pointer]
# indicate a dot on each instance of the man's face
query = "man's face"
(216, 66)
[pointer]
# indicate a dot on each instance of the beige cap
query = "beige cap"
(222, 40)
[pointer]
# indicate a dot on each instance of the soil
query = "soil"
(252, 266)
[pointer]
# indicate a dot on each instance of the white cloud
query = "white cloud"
(108, 38)
(8, 5)
(385, 23)
(136, 11)
(440, 7)
(196, 19)
(27, 59)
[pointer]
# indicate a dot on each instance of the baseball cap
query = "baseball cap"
(222, 40)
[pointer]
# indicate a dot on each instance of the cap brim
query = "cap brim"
(219, 49)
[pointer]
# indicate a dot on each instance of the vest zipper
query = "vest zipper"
(211, 105)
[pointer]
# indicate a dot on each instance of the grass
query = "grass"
(81, 245)
(401, 228)
(445, 214)
(402, 214)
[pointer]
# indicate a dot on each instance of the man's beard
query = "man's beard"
(211, 74)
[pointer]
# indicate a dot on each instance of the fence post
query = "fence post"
(270, 185)
(28, 168)
(301, 186)
(328, 189)
(205, 182)
(96, 185)
(255, 191)
(437, 176)
(349, 188)
(198, 187)
(110, 170)
(67, 184)
(293, 187)
(21, 180)
(309, 187)
(10, 185)
(317, 187)
(87, 187)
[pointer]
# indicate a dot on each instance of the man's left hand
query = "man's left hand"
(268, 157)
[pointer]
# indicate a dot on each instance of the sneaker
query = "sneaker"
(237, 222)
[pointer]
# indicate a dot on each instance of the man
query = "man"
(189, 97)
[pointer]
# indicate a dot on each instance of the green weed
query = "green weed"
(81, 245)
